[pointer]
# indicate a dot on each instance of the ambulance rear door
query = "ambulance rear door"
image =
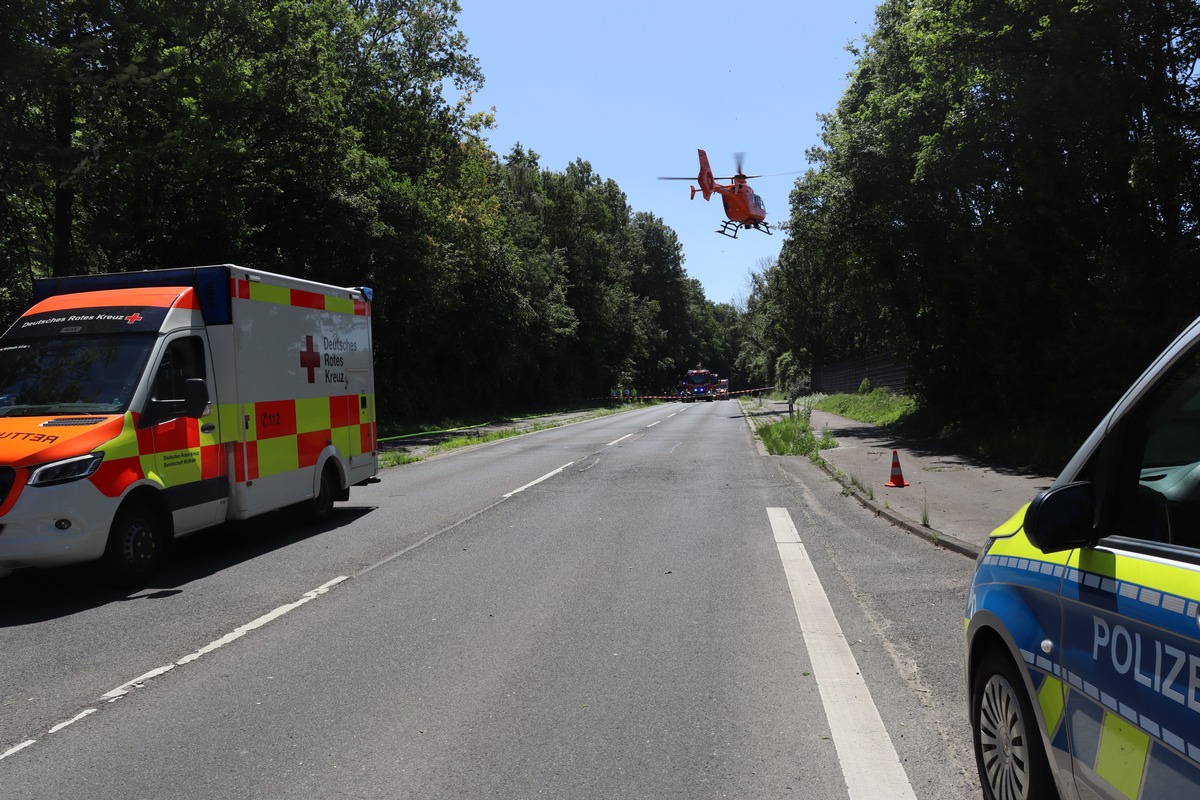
(341, 343)
(360, 399)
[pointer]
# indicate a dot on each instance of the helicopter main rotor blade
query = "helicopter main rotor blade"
(727, 177)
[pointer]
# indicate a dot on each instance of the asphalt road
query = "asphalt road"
(613, 609)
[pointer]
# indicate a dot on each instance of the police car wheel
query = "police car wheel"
(1008, 745)
(135, 546)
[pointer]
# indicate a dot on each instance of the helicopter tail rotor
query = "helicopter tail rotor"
(705, 177)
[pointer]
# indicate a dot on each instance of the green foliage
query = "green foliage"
(878, 406)
(791, 377)
(794, 437)
(315, 138)
(788, 438)
(1003, 201)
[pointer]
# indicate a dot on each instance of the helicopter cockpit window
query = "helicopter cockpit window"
(758, 202)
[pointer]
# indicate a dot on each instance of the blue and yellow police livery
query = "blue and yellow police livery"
(1082, 629)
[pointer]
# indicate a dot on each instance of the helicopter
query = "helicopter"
(743, 207)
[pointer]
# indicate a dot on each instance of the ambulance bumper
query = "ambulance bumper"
(56, 526)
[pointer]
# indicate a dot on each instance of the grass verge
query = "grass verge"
(394, 458)
(795, 437)
(1039, 447)
(459, 434)
(879, 407)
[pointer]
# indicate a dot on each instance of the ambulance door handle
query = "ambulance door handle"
(207, 427)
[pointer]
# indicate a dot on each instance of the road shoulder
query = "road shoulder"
(951, 500)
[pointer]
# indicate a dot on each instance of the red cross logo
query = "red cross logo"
(310, 359)
(134, 317)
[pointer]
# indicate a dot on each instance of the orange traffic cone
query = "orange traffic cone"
(897, 480)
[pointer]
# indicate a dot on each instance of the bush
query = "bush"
(789, 437)
(794, 437)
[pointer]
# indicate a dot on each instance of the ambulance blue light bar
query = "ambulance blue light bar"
(211, 284)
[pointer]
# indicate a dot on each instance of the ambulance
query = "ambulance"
(136, 408)
(1083, 618)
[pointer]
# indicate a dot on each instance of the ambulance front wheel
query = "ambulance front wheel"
(1008, 744)
(136, 545)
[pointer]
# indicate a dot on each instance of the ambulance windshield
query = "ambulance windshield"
(71, 374)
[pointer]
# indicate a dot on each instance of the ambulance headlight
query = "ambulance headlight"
(65, 471)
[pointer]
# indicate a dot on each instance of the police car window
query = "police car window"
(183, 359)
(1158, 475)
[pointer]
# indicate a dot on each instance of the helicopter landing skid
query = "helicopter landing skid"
(730, 228)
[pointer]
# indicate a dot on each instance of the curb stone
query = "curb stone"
(931, 535)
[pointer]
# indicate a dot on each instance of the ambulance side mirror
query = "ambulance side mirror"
(1062, 518)
(195, 397)
(194, 401)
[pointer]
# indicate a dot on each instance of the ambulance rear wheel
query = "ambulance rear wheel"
(136, 545)
(321, 506)
(1008, 745)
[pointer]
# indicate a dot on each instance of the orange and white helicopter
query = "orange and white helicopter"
(743, 207)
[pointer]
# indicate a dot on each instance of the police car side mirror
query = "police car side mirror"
(1062, 518)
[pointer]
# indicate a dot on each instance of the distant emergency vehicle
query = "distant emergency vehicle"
(139, 407)
(1082, 630)
(698, 385)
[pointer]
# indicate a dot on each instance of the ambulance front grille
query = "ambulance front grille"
(72, 421)
(7, 476)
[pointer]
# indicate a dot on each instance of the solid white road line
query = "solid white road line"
(870, 766)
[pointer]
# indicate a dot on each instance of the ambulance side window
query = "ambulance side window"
(1157, 495)
(183, 359)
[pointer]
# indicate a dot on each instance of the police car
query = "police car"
(1082, 637)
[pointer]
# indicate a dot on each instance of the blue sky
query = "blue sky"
(635, 88)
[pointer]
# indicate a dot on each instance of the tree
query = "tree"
(317, 138)
(1009, 181)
